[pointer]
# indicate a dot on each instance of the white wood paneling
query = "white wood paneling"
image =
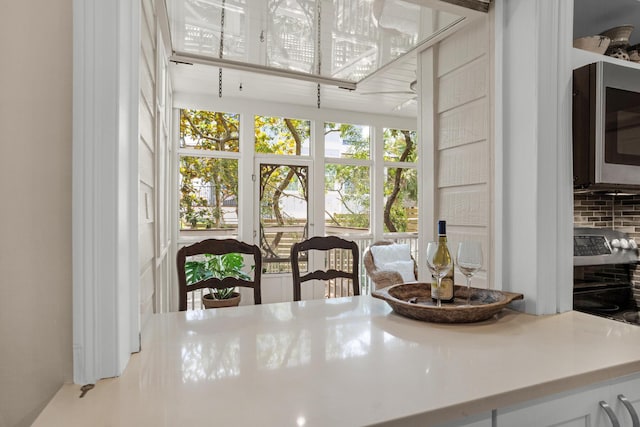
(146, 87)
(146, 248)
(463, 47)
(468, 123)
(464, 165)
(146, 165)
(146, 161)
(145, 204)
(163, 189)
(146, 126)
(465, 205)
(463, 85)
(146, 293)
(463, 150)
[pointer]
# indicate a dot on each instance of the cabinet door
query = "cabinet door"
(574, 409)
(629, 390)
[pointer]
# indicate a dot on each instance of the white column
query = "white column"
(105, 142)
(534, 37)
(426, 154)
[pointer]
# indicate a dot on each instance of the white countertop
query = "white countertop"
(344, 362)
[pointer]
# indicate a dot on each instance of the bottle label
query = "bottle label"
(446, 289)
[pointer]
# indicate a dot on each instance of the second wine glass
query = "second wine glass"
(439, 264)
(469, 260)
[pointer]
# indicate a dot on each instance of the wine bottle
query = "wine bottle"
(443, 256)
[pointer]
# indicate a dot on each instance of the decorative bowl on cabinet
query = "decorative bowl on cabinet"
(619, 35)
(597, 44)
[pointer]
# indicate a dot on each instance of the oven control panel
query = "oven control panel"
(600, 246)
(590, 245)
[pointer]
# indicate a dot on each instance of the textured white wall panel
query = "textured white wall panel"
(465, 206)
(468, 123)
(463, 85)
(463, 47)
(464, 165)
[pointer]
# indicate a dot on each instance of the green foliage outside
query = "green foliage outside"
(214, 131)
(401, 184)
(207, 131)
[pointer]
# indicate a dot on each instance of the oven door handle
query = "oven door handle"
(635, 422)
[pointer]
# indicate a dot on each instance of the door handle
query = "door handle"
(635, 422)
(607, 409)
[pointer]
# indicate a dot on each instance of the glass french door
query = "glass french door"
(283, 212)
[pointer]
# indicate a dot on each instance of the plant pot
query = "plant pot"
(209, 302)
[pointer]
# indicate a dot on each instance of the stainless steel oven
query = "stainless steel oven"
(606, 127)
(604, 260)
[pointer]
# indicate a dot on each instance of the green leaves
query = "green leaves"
(218, 266)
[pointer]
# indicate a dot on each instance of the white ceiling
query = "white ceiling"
(203, 79)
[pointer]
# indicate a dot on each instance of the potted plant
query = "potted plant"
(219, 267)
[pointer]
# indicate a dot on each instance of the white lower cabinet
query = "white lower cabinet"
(612, 403)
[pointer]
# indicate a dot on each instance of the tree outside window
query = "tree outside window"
(208, 184)
(401, 183)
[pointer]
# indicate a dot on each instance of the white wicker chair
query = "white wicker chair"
(382, 278)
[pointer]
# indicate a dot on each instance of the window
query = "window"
(347, 186)
(208, 186)
(346, 141)
(400, 183)
(209, 130)
(210, 159)
(276, 135)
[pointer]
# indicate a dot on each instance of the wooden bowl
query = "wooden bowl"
(413, 300)
(597, 44)
(619, 35)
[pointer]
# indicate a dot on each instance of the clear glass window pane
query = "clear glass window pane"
(277, 135)
(347, 191)
(209, 130)
(283, 213)
(343, 140)
(208, 196)
(400, 145)
(401, 200)
(290, 35)
(197, 27)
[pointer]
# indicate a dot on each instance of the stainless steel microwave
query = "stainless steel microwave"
(606, 127)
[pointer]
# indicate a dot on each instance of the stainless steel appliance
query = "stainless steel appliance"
(604, 260)
(606, 127)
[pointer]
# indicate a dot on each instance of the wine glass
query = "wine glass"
(469, 260)
(438, 265)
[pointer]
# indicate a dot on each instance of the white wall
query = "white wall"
(146, 160)
(35, 218)
(463, 141)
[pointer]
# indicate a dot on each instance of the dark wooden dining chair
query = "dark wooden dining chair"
(325, 244)
(218, 247)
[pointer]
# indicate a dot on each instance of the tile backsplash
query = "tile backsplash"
(618, 212)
